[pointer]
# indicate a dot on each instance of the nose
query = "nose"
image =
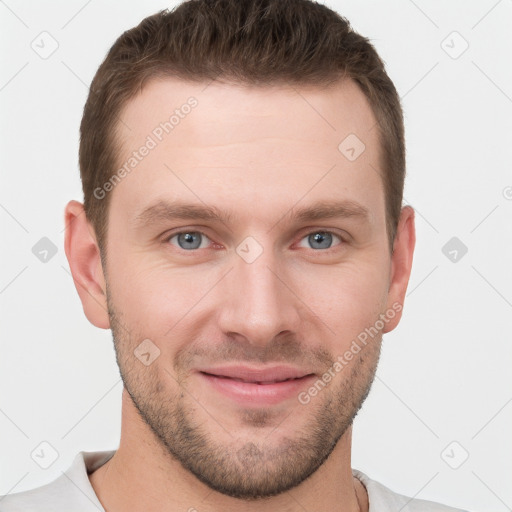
(259, 301)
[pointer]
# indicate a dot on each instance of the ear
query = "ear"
(401, 264)
(83, 255)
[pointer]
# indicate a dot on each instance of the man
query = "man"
(243, 165)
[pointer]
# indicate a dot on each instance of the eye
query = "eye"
(189, 240)
(192, 240)
(321, 239)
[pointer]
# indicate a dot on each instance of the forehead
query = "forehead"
(247, 146)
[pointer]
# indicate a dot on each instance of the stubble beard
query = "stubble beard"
(244, 468)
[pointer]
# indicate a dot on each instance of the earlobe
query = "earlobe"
(83, 255)
(401, 264)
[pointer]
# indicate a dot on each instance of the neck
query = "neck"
(142, 475)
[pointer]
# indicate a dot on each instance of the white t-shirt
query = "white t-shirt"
(72, 492)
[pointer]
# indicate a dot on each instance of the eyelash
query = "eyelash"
(343, 241)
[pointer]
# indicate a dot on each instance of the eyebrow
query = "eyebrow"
(164, 211)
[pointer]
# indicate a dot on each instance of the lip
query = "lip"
(258, 386)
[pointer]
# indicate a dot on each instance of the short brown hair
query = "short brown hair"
(261, 42)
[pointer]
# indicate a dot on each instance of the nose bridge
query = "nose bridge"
(260, 304)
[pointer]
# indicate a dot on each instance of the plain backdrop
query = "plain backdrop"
(437, 424)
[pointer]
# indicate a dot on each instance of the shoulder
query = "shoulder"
(70, 491)
(383, 499)
(40, 499)
(61, 494)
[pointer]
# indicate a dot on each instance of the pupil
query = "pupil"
(190, 239)
(320, 237)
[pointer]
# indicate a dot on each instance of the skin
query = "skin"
(259, 152)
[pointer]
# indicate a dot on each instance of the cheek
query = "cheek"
(157, 299)
(347, 298)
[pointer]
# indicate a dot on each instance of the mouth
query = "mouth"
(263, 382)
(256, 386)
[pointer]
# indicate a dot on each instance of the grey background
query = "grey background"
(443, 389)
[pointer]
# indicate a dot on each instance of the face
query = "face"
(232, 289)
